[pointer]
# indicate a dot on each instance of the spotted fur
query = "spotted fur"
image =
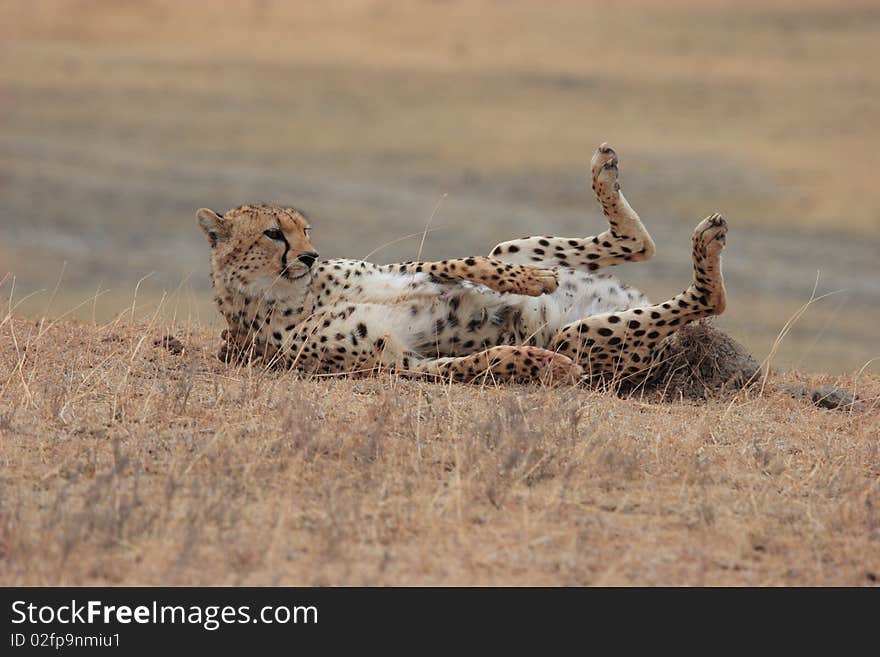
(536, 309)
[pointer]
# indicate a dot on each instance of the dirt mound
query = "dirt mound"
(701, 361)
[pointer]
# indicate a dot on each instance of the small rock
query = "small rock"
(836, 398)
(827, 397)
(170, 343)
(796, 390)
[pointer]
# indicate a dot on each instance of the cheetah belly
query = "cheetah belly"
(578, 296)
(464, 318)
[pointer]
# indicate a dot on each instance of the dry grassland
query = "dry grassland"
(128, 462)
(118, 119)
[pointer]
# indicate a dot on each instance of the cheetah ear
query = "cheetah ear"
(214, 225)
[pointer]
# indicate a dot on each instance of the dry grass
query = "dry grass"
(119, 119)
(127, 463)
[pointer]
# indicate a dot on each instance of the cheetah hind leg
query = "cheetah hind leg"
(619, 345)
(626, 240)
(630, 240)
(503, 363)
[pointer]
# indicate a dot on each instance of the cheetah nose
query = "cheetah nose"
(308, 259)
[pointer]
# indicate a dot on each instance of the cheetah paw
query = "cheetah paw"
(534, 281)
(605, 172)
(556, 368)
(710, 235)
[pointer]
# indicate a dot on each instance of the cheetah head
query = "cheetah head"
(259, 250)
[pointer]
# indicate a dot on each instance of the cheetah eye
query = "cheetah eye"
(274, 234)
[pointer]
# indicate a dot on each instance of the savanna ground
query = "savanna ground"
(130, 462)
(125, 463)
(118, 120)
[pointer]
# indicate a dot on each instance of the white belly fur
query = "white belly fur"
(410, 305)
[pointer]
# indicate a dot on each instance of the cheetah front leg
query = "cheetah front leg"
(354, 347)
(623, 343)
(626, 239)
(504, 363)
(495, 274)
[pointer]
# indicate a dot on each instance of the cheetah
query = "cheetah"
(535, 309)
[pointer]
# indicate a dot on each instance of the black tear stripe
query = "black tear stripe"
(284, 255)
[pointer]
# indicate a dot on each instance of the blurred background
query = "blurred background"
(118, 119)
